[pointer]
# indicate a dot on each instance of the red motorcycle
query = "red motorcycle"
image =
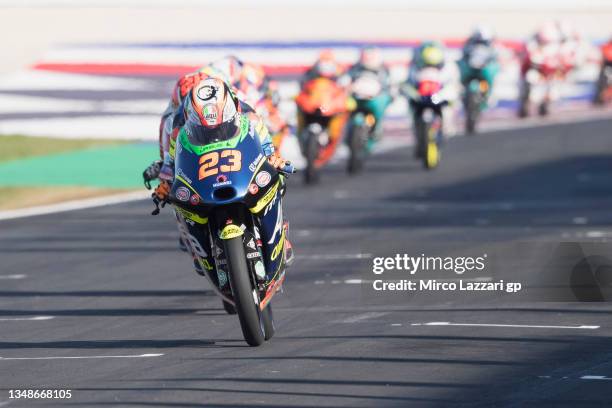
(603, 86)
(539, 72)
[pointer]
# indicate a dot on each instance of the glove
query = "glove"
(166, 172)
(277, 161)
(160, 196)
(151, 173)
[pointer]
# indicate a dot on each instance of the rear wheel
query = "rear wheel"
(245, 295)
(311, 175)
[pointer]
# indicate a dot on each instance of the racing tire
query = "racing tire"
(543, 109)
(311, 175)
(523, 110)
(598, 97)
(357, 139)
(267, 318)
(245, 295)
(472, 111)
(229, 308)
(420, 135)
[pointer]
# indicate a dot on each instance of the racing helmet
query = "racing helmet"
(566, 30)
(184, 85)
(370, 58)
(547, 34)
(430, 54)
(327, 65)
(482, 34)
(211, 112)
(230, 67)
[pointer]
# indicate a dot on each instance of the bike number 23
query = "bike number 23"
(231, 160)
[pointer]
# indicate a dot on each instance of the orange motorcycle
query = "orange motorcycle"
(323, 111)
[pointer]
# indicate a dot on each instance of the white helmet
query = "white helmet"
(482, 34)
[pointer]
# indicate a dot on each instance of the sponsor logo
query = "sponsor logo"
(251, 244)
(209, 112)
(252, 255)
(263, 179)
(221, 178)
(230, 231)
(182, 194)
(195, 199)
(181, 173)
(207, 92)
(253, 166)
(223, 183)
(253, 189)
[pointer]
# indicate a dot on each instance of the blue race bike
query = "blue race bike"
(228, 202)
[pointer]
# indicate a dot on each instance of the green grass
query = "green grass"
(14, 147)
(12, 198)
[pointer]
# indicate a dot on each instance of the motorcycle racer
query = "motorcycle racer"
(209, 113)
(370, 65)
(429, 59)
(479, 45)
(326, 66)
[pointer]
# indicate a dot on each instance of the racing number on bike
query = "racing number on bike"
(232, 161)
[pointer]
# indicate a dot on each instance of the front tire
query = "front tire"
(311, 175)
(471, 112)
(267, 319)
(357, 140)
(229, 308)
(244, 294)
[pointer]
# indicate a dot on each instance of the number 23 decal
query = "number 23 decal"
(209, 163)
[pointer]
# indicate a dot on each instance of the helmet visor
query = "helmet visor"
(199, 135)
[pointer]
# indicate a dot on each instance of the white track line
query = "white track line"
(527, 326)
(328, 257)
(595, 377)
(14, 319)
(81, 357)
(75, 205)
(14, 276)
(360, 317)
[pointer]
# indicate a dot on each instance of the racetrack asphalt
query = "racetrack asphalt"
(120, 293)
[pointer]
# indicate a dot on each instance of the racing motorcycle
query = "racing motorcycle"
(426, 101)
(476, 90)
(367, 92)
(224, 195)
(323, 110)
(603, 86)
(537, 84)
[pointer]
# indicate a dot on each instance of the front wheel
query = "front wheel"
(267, 319)
(311, 175)
(229, 308)
(357, 141)
(245, 295)
(523, 110)
(472, 109)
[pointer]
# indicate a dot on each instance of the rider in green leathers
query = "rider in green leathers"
(370, 87)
